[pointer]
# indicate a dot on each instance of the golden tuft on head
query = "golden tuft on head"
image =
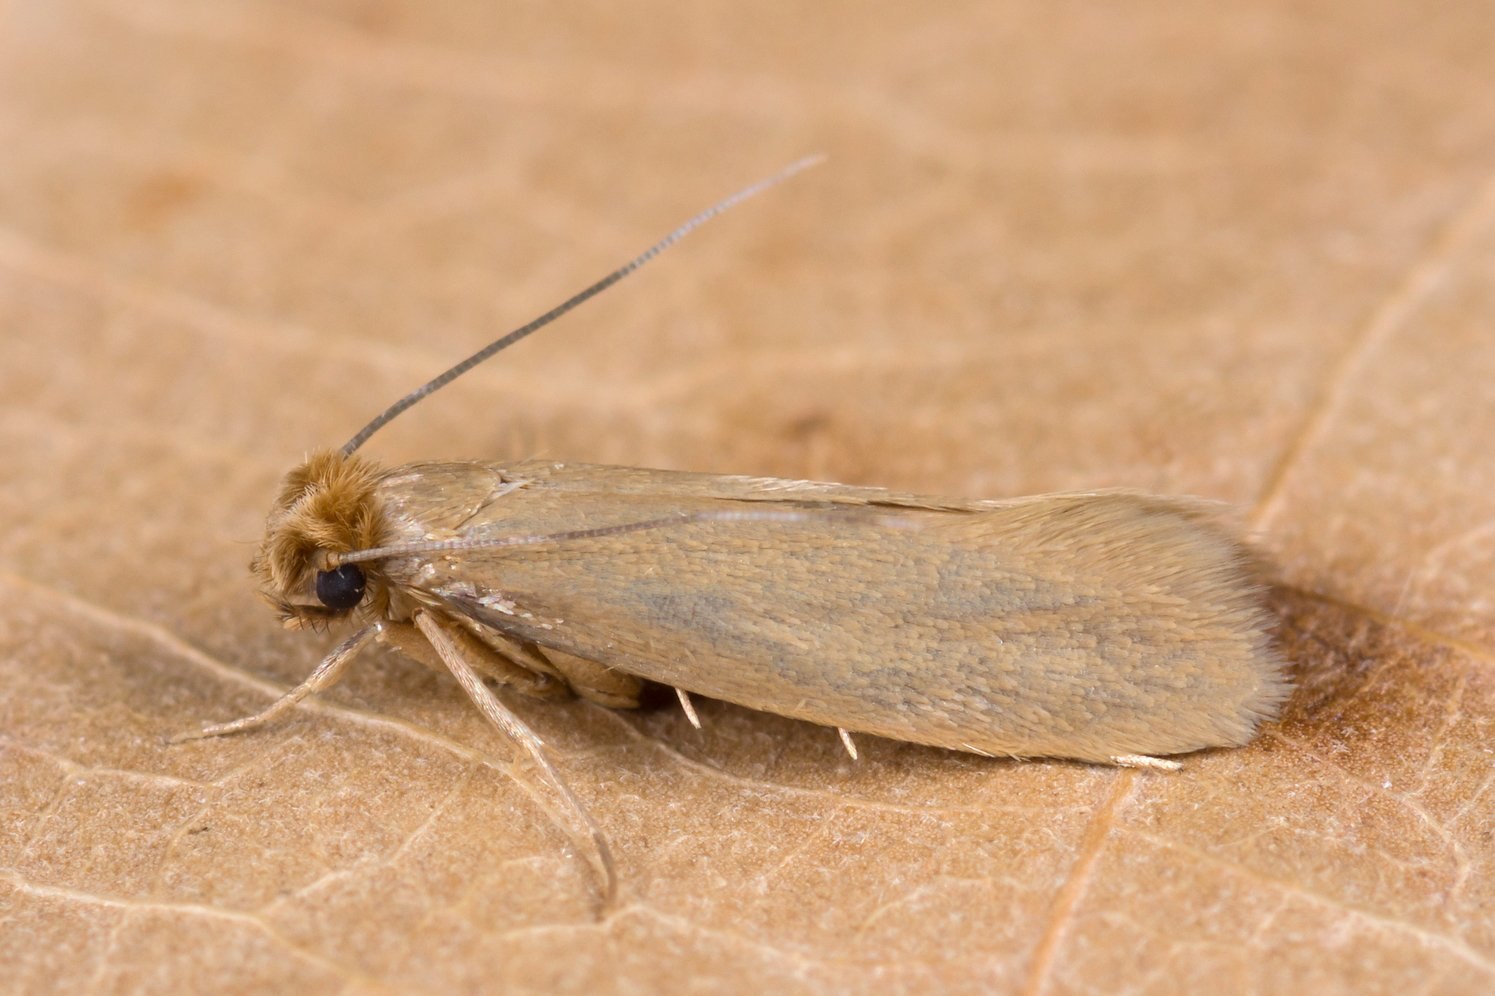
(327, 505)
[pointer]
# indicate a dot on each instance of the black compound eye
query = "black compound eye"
(342, 588)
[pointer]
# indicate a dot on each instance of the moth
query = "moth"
(1107, 626)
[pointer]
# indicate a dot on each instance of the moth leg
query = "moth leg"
(596, 682)
(325, 676)
(525, 655)
(689, 707)
(1143, 761)
(405, 638)
(846, 741)
(581, 823)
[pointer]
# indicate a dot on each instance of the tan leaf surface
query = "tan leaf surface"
(1235, 250)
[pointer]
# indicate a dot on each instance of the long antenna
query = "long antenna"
(440, 381)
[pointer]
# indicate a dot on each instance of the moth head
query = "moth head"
(327, 506)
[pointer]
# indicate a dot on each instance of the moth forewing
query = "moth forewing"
(1094, 626)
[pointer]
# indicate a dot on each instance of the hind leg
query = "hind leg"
(506, 664)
